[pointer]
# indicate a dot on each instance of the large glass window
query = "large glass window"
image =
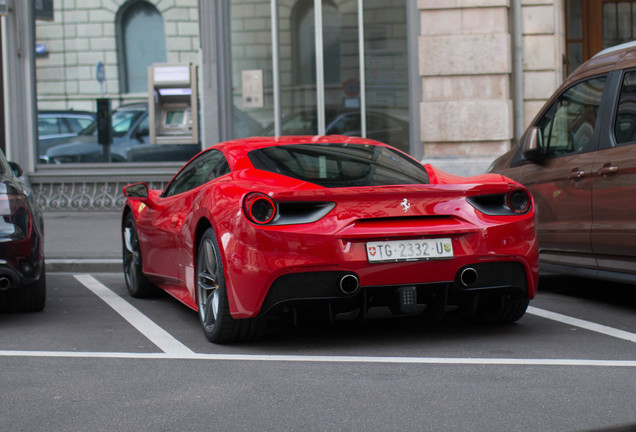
(618, 22)
(593, 25)
(304, 42)
(378, 111)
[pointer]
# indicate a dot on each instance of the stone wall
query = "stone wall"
(465, 61)
(544, 50)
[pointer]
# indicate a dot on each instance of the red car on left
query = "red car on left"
(22, 273)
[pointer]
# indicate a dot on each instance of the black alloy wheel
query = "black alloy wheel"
(212, 301)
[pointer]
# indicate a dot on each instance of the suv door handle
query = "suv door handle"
(608, 169)
(576, 174)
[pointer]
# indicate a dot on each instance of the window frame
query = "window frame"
(615, 108)
(592, 28)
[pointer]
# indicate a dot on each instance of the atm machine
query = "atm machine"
(173, 104)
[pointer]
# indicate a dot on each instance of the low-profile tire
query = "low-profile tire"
(137, 283)
(500, 309)
(214, 311)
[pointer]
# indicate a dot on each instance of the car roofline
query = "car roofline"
(615, 48)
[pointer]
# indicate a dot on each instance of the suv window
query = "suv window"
(568, 126)
(625, 125)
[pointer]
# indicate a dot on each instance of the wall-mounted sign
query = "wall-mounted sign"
(40, 49)
(252, 88)
(100, 72)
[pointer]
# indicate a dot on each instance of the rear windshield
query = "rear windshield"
(340, 165)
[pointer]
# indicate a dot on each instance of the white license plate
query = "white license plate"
(408, 250)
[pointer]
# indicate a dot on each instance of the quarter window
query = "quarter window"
(201, 170)
(569, 124)
(625, 125)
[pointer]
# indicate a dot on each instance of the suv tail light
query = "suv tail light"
(14, 213)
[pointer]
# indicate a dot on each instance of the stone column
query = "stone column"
(465, 65)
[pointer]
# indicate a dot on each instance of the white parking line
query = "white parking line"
(598, 328)
(175, 350)
(164, 340)
(328, 359)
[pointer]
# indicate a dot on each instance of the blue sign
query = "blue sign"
(40, 49)
(101, 73)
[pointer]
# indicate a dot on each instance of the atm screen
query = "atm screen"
(174, 118)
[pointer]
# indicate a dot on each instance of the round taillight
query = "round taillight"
(519, 200)
(259, 208)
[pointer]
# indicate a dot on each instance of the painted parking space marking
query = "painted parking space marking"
(328, 359)
(157, 335)
(597, 328)
(175, 350)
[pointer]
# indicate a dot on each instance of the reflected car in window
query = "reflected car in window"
(22, 272)
(578, 158)
(303, 227)
(54, 127)
(347, 122)
(131, 142)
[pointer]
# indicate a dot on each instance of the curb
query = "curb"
(79, 265)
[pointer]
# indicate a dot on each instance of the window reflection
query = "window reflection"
(386, 71)
(619, 25)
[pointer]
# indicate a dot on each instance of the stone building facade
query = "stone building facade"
(444, 67)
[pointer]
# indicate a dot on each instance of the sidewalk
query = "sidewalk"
(82, 242)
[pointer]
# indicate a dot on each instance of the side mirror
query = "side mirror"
(17, 169)
(532, 145)
(136, 191)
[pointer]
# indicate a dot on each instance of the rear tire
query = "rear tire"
(137, 283)
(214, 311)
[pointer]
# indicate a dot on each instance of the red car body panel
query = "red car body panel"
(255, 256)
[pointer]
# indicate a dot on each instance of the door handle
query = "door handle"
(576, 174)
(608, 169)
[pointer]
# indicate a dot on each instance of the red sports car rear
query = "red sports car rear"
(337, 226)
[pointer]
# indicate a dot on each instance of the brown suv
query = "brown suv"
(578, 158)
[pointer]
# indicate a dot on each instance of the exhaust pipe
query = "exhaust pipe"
(5, 283)
(349, 284)
(468, 276)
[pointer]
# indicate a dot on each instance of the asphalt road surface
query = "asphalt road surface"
(98, 360)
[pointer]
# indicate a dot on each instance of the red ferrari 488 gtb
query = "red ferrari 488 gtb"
(295, 226)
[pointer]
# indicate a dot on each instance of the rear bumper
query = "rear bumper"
(312, 289)
(259, 261)
(21, 262)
